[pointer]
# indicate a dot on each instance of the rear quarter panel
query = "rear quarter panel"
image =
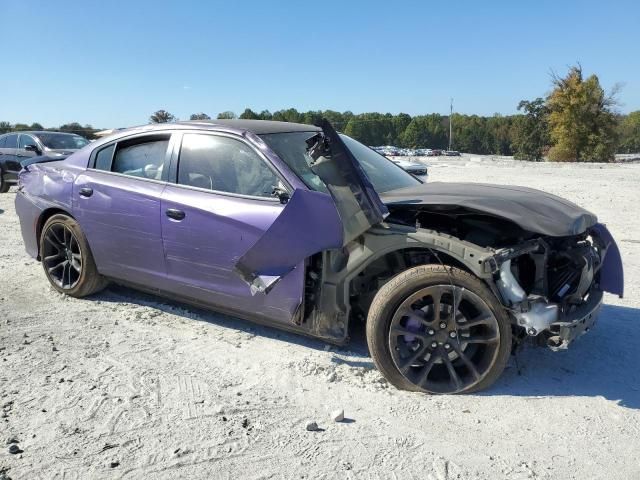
(42, 187)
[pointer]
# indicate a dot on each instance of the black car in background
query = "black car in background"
(15, 147)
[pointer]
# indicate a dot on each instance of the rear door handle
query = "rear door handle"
(175, 214)
(86, 192)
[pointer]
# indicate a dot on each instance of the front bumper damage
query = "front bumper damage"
(576, 323)
(561, 322)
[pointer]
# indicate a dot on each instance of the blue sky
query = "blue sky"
(114, 63)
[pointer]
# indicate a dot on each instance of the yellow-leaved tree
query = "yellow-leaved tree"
(582, 123)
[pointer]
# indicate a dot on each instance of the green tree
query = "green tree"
(162, 116)
(337, 119)
(288, 115)
(249, 114)
(36, 126)
(21, 127)
(629, 132)
(582, 125)
(199, 116)
(227, 115)
(470, 134)
(530, 133)
(425, 131)
(5, 127)
(73, 127)
(265, 115)
(312, 117)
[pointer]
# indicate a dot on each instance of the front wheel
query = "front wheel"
(438, 329)
(4, 186)
(67, 259)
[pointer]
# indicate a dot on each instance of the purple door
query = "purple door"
(219, 207)
(117, 203)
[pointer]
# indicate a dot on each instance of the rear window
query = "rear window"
(103, 158)
(141, 157)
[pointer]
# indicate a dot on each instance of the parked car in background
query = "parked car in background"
(308, 230)
(414, 168)
(452, 153)
(16, 147)
(435, 153)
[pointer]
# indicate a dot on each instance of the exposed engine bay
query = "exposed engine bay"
(550, 285)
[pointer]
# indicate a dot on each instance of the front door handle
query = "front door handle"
(86, 192)
(175, 214)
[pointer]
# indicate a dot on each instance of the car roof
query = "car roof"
(259, 127)
(37, 132)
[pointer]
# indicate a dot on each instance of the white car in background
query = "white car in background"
(414, 168)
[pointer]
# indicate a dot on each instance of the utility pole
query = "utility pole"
(450, 128)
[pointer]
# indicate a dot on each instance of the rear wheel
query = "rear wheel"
(67, 259)
(438, 329)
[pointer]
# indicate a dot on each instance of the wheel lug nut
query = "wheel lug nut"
(447, 346)
(431, 331)
(443, 325)
(434, 344)
(452, 334)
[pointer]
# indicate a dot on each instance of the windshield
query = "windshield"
(62, 141)
(383, 174)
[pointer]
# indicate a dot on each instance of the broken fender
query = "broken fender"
(611, 271)
(308, 224)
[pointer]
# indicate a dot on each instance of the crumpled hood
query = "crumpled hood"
(533, 210)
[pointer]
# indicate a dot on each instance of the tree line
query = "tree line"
(577, 121)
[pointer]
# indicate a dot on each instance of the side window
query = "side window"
(141, 157)
(26, 140)
(225, 165)
(3, 141)
(12, 141)
(103, 158)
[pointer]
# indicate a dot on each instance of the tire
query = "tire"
(4, 186)
(67, 260)
(413, 348)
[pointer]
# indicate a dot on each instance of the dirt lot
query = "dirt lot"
(125, 385)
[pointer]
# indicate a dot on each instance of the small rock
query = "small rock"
(54, 348)
(332, 377)
(50, 338)
(114, 464)
(61, 380)
(245, 423)
(14, 449)
(11, 440)
(337, 415)
(311, 427)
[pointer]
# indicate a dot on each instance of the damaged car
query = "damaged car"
(305, 229)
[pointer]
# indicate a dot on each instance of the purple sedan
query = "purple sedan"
(305, 229)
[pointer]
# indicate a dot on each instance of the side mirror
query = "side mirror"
(32, 148)
(281, 194)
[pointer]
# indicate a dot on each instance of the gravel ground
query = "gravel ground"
(126, 385)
